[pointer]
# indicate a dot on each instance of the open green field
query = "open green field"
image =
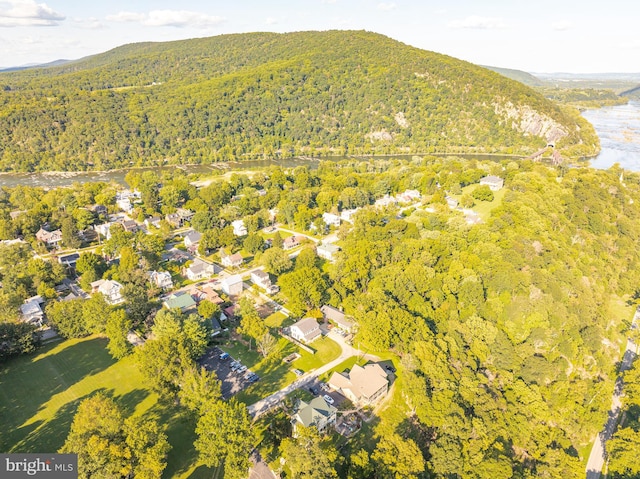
(483, 208)
(40, 393)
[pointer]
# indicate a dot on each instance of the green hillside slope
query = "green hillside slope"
(262, 94)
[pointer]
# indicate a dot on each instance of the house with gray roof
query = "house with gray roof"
(192, 238)
(200, 269)
(337, 317)
(495, 183)
(314, 413)
(305, 330)
(327, 251)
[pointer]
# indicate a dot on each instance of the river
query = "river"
(619, 130)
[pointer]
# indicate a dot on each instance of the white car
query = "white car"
(328, 398)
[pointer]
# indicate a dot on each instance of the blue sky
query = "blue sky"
(584, 36)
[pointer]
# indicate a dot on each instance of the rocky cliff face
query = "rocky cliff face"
(528, 121)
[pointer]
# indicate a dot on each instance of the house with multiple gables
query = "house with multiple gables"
(111, 290)
(153, 222)
(51, 238)
(200, 269)
(361, 385)
(327, 251)
(31, 311)
(231, 260)
(331, 220)
(291, 242)
(180, 300)
(306, 330)
(161, 279)
(263, 280)
(316, 412)
(192, 238)
(239, 229)
(180, 217)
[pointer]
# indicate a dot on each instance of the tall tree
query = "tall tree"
(117, 327)
(308, 456)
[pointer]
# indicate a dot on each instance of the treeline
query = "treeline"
(262, 95)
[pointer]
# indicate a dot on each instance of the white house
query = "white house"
(451, 202)
(347, 215)
(331, 219)
(408, 196)
(51, 238)
(200, 269)
(231, 260)
(104, 229)
(239, 229)
(32, 311)
(125, 205)
(161, 279)
(153, 221)
(327, 251)
(111, 290)
(232, 285)
(495, 183)
(192, 238)
(362, 385)
(263, 280)
(305, 330)
(385, 201)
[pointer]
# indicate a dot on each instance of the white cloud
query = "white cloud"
(169, 18)
(90, 23)
(561, 25)
(27, 13)
(271, 21)
(479, 23)
(387, 7)
(329, 1)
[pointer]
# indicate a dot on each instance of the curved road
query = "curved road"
(597, 457)
(269, 402)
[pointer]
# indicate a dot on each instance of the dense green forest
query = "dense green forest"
(507, 332)
(264, 94)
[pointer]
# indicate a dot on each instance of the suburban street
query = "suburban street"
(597, 457)
(269, 402)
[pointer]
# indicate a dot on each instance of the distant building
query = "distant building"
(239, 229)
(331, 219)
(175, 255)
(153, 221)
(129, 226)
(263, 280)
(314, 413)
(69, 259)
(362, 385)
(305, 330)
(337, 317)
(111, 290)
(104, 229)
(327, 251)
(409, 196)
(494, 183)
(385, 201)
(232, 285)
(125, 205)
(451, 202)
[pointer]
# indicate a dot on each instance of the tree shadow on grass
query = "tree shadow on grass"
(26, 384)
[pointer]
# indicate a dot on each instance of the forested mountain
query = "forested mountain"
(518, 75)
(264, 94)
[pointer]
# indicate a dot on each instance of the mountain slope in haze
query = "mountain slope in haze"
(265, 94)
(518, 75)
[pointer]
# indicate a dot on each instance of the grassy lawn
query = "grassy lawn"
(326, 350)
(483, 208)
(40, 393)
(278, 320)
(343, 366)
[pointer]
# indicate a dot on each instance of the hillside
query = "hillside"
(518, 75)
(264, 94)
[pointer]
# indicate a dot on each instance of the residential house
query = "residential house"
(104, 229)
(51, 238)
(471, 217)
(153, 221)
(347, 215)
(125, 205)
(316, 413)
(16, 213)
(362, 385)
(331, 220)
(174, 219)
(75, 293)
(232, 285)
(161, 279)
(452, 203)
(305, 330)
(409, 196)
(229, 312)
(386, 201)
(192, 238)
(185, 214)
(327, 251)
(181, 300)
(495, 183)
(290, 242)
(208, 293)
(200, 269)
(263, 280)
(99, 209)
(231, 260)
(129, 226)
(31, 311)
(111, 290)
(337, 317)
(239, 229)
(175, 255)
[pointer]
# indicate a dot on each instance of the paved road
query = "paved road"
(597, 457)
(264, 405)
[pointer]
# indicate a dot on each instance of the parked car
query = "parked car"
(254, 378)
(224, 356)
(242, 369)
(297, 372)
(324, 386)
(328, 398)
(313, 390)
(390, 368)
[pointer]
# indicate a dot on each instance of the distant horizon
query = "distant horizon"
(551, 36)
